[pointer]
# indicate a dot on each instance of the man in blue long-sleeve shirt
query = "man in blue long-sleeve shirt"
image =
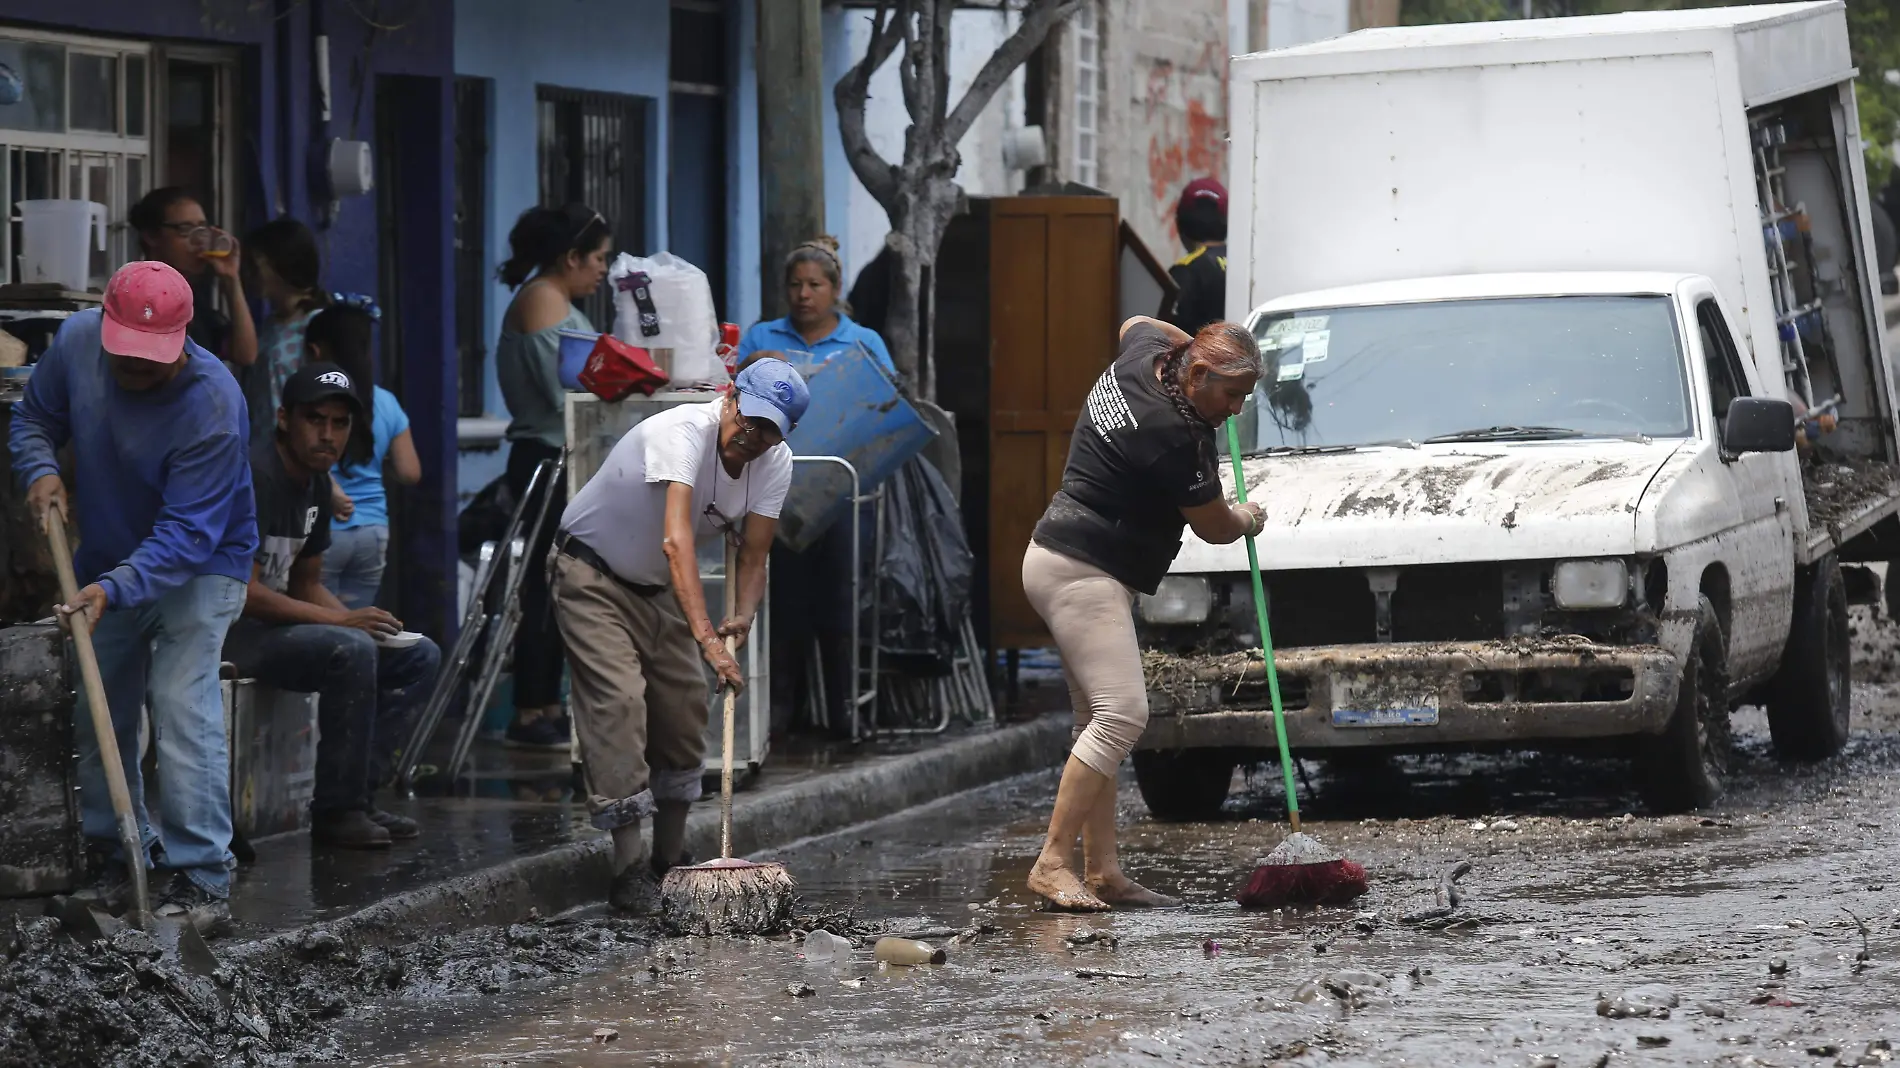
(167, 531)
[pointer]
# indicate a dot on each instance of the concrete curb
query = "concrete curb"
(577, 874)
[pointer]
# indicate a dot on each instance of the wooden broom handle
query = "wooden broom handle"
(732, 650)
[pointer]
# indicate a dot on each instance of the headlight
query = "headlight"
(1179, 599)
(1590, 584)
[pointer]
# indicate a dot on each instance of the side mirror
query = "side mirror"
(1757, 424)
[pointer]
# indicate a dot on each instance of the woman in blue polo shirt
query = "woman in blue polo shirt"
(814, 288)
(811, 591)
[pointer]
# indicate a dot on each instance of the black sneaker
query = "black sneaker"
(111, 891)
(635, 891)
(684, 860)
(348, 830)
(543, 733)
(186, 900)
(400, 828)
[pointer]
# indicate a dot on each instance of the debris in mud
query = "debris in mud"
(1652, 1000)
(1351, 989)
(1089, 936)
(1210, 949)
(1447, 899)
(800, 990)
(605, 1034)
(1777, 967)
(1824, 1049)
(1652, 1041)
(1836, 491)
(115, 1003)
(1097, 973)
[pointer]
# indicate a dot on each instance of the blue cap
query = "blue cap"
(770, 389)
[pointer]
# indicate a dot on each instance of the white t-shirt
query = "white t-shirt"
(621, 512)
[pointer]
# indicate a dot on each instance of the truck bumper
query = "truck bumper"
(1417, 696)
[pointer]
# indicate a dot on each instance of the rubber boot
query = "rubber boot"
(634, 889)
(669, 836)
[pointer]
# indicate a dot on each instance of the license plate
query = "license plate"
(1379, 703)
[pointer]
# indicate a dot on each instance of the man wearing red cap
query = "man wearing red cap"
(1201, 220)
(167, 530)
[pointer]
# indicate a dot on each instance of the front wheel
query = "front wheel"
(1811, 698)
(1183, 785)
(1683, 767)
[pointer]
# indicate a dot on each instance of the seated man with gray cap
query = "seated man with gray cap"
(633, 615)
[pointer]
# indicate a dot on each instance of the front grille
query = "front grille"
(1310, 608)
(1449, 603)
(1433, 603)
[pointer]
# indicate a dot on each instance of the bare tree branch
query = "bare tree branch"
(1038, 18)
(851, 92)
(940, 55)
(908, 64)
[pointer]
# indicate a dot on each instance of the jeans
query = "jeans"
(365, 694)
(538, 653)
(165, 655)
(353, 564)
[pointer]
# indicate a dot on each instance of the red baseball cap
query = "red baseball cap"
(1208, 189)
(148, 307)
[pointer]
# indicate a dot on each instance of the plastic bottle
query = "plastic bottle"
(906, 952)
(822, 945)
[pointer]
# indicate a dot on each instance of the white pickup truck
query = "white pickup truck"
(1581, 409)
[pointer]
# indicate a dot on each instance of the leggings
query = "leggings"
(1093, 619)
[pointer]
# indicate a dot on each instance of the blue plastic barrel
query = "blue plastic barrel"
(576, 346)
(856, 412)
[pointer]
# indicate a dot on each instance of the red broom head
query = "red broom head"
(1302, 871)
(1273, 886)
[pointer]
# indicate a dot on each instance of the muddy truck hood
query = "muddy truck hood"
(1398, 507)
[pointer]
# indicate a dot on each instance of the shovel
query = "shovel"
(178, 940)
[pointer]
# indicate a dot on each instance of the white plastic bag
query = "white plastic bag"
(673, 311)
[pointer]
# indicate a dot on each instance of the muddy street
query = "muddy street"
(1734, 936)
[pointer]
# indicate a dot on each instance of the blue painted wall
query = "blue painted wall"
(615, 46)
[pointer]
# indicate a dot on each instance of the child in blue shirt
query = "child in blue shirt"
(359, 532)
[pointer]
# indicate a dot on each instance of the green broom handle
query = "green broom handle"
(1266, 636)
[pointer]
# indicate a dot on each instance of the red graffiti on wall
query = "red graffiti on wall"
(1187, 142)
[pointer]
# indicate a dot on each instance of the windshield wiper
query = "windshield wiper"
(1299, 450)
(1506, 433)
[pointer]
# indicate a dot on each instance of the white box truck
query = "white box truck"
(1582, 424)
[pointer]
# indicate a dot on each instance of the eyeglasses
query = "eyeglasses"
(731, 529)
(751, 429)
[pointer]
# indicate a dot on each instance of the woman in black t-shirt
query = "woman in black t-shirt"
(1142, 464)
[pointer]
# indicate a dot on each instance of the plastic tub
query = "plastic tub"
(57, 239)
(856, 412)
(576, 346)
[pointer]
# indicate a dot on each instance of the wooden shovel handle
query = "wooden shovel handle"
(732, 650)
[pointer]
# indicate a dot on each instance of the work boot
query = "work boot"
(635, 891)
(185, 900)
(348, 830)
(110, 891)
(669, 836)
(400, 828)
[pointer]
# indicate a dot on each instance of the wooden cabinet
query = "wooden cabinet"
(1027, 310)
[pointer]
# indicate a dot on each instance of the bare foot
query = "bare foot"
(1061, 889)
(1119, 890)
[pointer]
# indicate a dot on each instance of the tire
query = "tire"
(1683, 767)
(1184, 785)
(1810, 701)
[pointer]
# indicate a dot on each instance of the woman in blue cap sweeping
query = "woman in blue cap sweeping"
(624, 575)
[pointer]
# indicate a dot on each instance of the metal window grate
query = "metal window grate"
(593, 151)
(1089, 79)
(471, 246)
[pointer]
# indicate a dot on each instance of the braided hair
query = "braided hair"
(1228, 351)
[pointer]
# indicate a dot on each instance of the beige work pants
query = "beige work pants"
(638, 693)
(1093, 619)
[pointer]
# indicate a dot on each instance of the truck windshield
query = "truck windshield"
(1491, 370)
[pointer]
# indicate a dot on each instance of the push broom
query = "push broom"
(728, 896)
(1301, 870)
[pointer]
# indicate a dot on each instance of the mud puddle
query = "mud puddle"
(1746, 914)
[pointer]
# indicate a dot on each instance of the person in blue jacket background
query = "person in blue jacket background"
(811, 591)
(167, 532)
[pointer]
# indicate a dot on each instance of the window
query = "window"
(1726, 381)
(1089, 82)
(471, 246)
(593, 151)
(78, 131)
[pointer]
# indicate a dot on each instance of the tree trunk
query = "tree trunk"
(920, 194)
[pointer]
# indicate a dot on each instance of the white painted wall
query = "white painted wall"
(1297, 22)
(974, 35)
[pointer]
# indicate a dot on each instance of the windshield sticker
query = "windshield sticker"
(1297, 325)
(1314, 345)
(1292, 372)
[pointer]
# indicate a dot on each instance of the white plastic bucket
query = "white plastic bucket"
(57, 239)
